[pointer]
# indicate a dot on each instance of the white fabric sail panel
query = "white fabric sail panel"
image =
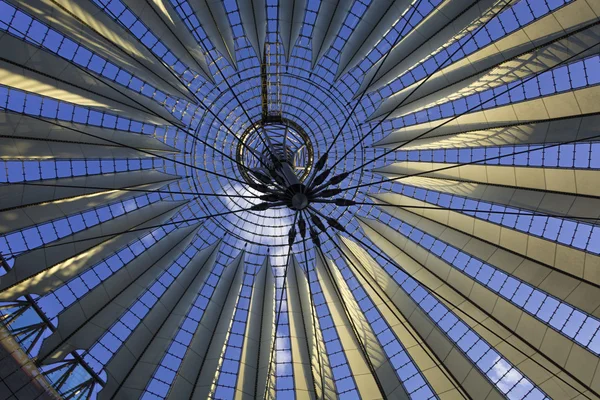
(258, 342)
(49, 190)
(451, 20)
(291, 18)
(577, 208)
(253, 14)
(463, 371)
(517, 56)
(564, 130)
(366, 383)
(575, 262)
(437, 375)
(173, 21)
(37, 59)
(84, 22)
(70, 254)
(553, 281)
(209, 370)
(24, 216)
(384, 372)
(40, 128)
(313, 377)
(166, 24)
(497, 320)
(214, 21)
(203, 342)
(127, 375)
(141, 373)
(569, 181)
(376, 21)
(30, 81)
(86, 320)
(330, 20)
(570, 104)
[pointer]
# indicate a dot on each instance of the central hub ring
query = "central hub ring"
(285, 138)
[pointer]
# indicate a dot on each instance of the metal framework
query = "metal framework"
(438, 235)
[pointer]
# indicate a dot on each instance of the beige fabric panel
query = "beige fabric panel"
(258, 342)
(437, 375)
(567, 205)
(570, 260)
(330, 18)
(172, 19)
(538, 339)
(554, 131)
(252, 11)
(85, 23)
(215, 23)
(290, 19)
(577, 292)
(45, 268)
(189, 372)
(23, 127)
(563, 180)
(141, 373)
(209, 373)
(388, 379)
(31, 149)
(563, 105)
(18, 195)
(447, 20)
(519, 54)
(166, 24)
(120, 367)
(46, 86)
(86, 320)
(19, 218)
(370, 29)
(312, 371)
(469, 378)
(28, 56)
(505, 342)
(366, 385)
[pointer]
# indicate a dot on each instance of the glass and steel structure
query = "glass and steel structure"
(299, 199)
